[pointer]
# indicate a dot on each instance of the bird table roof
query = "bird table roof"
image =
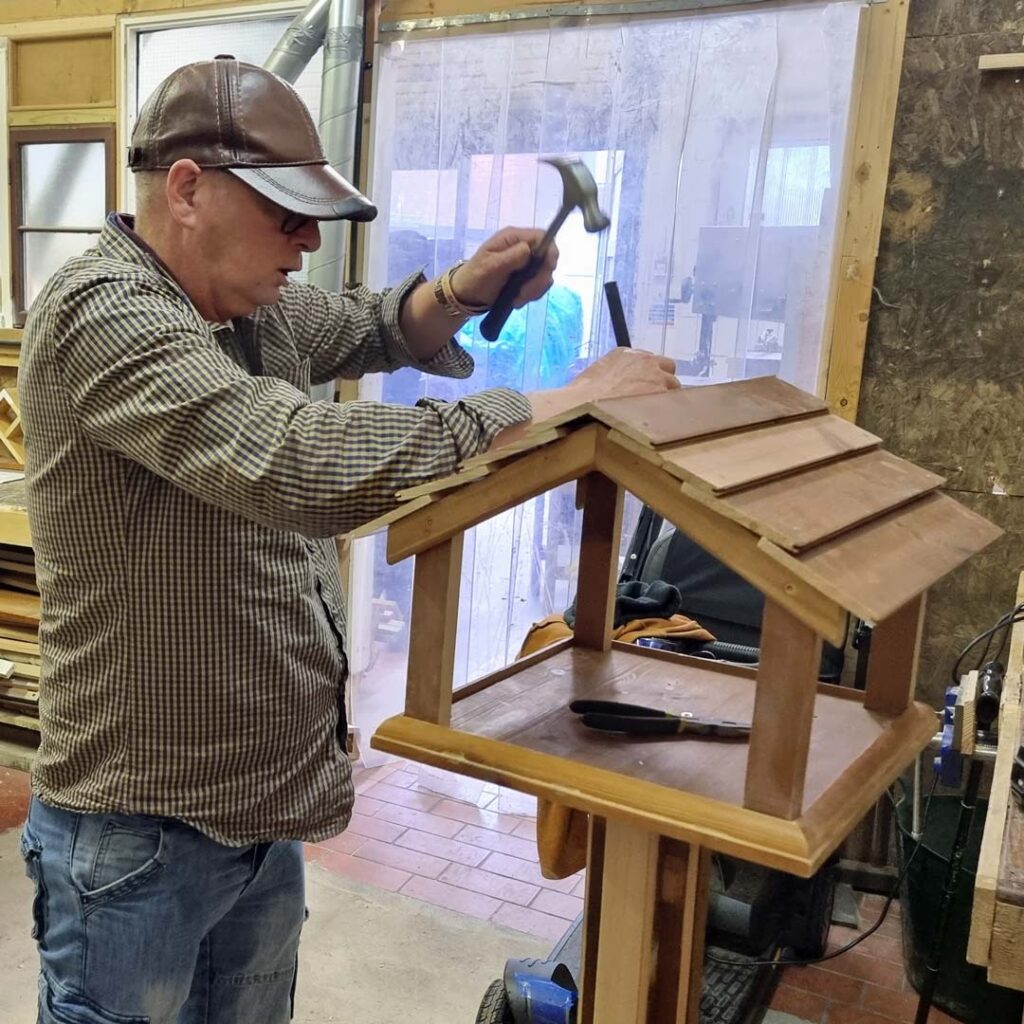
(803, 504)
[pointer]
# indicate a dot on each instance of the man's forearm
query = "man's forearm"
(426, 325)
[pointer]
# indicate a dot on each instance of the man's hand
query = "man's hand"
(427, 327)
(479, 280)
(622, 372)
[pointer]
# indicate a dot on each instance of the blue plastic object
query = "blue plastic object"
(948, 763)
(546, 1001)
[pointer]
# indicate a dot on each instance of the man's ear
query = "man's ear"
(182, 185)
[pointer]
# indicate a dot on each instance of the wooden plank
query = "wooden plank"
(1006, 962)
(433, 623)
(444, 483)
(780, 739)
(686, 414)
(511, 484)
(877, 568)
(737, 461)
(599, 563)
(986, 881)
(807, 509)
(71, 71)
(592, 903)
(626, 952)
(862, 203)
(9, 631)
(733, 544)
(1000, 61)
(46, 117)
(893, 659)
(19, 609)
(695, 920)
(480, 465)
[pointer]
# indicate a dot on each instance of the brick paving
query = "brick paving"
(469, 847)
(455, 843)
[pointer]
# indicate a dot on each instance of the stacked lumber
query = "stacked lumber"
(19, 637)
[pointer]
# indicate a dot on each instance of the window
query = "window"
(62, 186)
(716, 141)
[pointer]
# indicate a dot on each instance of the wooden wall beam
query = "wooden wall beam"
(862, 204)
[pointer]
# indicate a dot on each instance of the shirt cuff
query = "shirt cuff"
(452, 360)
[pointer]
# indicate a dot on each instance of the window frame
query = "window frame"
(18, 138)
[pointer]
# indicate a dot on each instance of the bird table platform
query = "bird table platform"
(807, 508)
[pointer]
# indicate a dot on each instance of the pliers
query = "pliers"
(614, 716)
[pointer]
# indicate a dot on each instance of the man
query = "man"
(183, 493)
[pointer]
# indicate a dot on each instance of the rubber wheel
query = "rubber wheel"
(494, 1007)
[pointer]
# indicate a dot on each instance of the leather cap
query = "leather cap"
(244, 119)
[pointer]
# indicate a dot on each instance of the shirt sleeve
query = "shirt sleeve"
(145, 380)
(356, 331)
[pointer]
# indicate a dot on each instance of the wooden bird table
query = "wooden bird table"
(806, 508)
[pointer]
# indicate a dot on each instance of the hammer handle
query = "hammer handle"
(491, 325)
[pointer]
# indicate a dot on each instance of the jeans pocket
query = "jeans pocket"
(113, 856)
(31, 853)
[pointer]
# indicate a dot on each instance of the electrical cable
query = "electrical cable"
(1004, 623)
(780, 962)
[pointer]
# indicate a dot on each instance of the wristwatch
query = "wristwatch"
(447, 299)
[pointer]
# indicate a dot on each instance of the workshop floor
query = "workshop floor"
(455, 845)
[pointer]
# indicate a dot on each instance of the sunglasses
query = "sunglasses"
(292, 222)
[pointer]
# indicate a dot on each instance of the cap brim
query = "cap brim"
(315, 190)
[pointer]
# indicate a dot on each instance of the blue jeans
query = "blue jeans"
(143, 920)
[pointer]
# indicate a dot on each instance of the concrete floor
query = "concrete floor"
(368, 956)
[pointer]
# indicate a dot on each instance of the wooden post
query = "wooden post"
(893, 657)
(783, 712)
(434, 620)
(599, 563)
(646, 912)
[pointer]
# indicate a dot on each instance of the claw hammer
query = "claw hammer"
(578, 190)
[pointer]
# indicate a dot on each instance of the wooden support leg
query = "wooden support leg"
(435, 608)
(892, 661)
(783, 713)
(599, 563)
(643, 938)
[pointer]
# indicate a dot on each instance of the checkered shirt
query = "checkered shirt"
(183, 496)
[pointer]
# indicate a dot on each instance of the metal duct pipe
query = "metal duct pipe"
(300, 41)
(339, 122)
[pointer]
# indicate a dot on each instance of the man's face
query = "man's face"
(246, 244)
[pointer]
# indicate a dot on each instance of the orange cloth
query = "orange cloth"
(555, 628)
(561, 830)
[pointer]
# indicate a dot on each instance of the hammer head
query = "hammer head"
(579, 189)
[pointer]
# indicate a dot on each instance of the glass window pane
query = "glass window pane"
(64, 184)
(44, 254)
(250, 39)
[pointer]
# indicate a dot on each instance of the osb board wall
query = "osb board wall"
(63, 72)
(943, 376)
